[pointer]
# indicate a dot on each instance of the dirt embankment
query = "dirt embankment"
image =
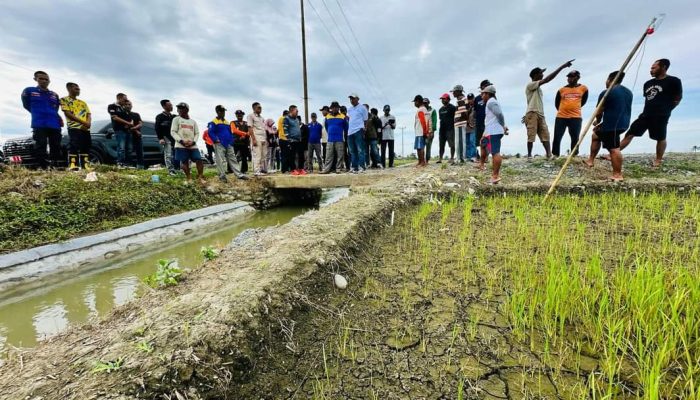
(200, 337)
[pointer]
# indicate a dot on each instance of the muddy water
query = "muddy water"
(28, 316)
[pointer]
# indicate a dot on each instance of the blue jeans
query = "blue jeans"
(374, 153)
(356, 145)
(123, 147)
(471, 145)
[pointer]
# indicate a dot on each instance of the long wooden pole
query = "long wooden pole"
(648, 31)
(303, 51)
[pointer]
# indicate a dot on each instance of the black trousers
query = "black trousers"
(390, 145)
(80, 141)
(297, 159)
(41, 137)
(560, 125)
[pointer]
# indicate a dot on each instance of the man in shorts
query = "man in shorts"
(662, 94)
(494, 129)
(611, 122)
(534, 117)
(422, 129)
(186, 133)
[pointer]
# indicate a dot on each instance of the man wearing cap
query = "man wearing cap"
(324, 134)
(241, 141)
(222, 137)
(534, 116)
(480, 112)
(446, 134)
(164, 121)
(314, 146)
(186, 133)
(388, 126)
(569, 101)
(43, 105)
(494, 129)
(610, 123)
(335, 125)
(258, 138)
(432, 113)
(357, 125)
(421, 126)
(461, 121)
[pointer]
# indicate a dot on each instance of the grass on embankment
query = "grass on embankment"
(45, 207)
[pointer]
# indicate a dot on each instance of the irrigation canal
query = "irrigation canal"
(31, 315)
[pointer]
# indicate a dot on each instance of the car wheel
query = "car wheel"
(96, 157)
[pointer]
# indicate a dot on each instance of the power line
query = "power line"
(342, 52)
(362, 52)
(352, 53)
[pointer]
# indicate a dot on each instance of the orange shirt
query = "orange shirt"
(570, 104)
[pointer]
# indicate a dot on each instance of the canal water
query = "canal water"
(28, 316)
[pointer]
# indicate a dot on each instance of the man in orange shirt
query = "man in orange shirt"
(569, 101)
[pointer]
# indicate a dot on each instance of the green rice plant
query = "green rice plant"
(145, 346)
(447, 209)
(108, 366)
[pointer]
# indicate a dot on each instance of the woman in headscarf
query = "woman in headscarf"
(273, 145)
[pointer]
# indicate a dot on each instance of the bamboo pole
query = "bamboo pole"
(648, 31)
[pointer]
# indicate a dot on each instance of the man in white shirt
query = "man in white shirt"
(186, 133)
(388, 126)
(256, 124)
(534, 116)
(494, 129)
(357, 125)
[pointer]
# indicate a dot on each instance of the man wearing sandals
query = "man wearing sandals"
(494, 129)
(610, 123)
(661, 95)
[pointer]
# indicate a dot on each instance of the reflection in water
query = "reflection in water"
(33, 315)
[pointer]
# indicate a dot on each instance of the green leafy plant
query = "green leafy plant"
(167, 274)
(108, 366)
(209, 252)
(145, 346)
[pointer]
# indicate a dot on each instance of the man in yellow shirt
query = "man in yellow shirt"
(79, 120)
(285, 149)
(569, 101)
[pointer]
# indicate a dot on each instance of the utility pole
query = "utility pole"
(402, 141)
(303, 52)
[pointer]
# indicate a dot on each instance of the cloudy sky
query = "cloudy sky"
(236, 52)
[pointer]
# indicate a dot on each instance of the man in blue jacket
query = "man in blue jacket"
(220, 134)
(43, 105)
(314, 146)
(336, 125)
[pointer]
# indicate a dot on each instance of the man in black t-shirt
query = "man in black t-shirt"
(446, 134)
(120, 126)
(135, 134)
(164, 121)
(662, 94)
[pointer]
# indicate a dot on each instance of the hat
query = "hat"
(470, 96)
(387, 107)
(489, 89)
(182, 105)
(485, 83)
(335, 104)
(240, 112)
(445, 96)
(537, 70)
(457, 88)
(426, 100)
(220, 108)
(324, 108)
(354, 95)
(418, 98)
(573, 72)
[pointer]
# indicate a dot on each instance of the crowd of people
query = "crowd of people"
(355, 138)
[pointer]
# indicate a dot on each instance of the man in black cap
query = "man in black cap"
(241, 143)
(164, 121)
(534, 116)
(335, 125)
(569, 101)
(186, 134)
(480, 112)
(421, 127)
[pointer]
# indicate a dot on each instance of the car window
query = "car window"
(148, 129)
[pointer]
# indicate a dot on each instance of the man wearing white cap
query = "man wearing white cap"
(494, 129)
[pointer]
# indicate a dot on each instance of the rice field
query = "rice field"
(582, 297)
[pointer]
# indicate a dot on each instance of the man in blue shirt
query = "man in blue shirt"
(610, 123)
(357, 125)
(220, 133)
(292, 129)
(336, 125)
(43, 105)
(314, 146)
